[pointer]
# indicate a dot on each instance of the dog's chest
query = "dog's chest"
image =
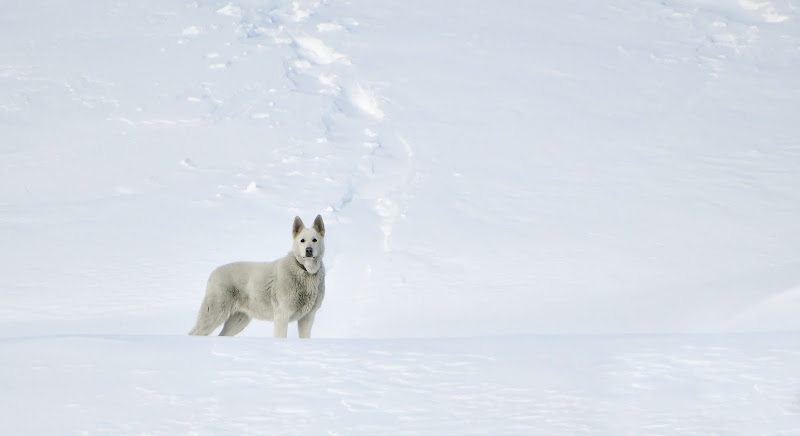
(304, 300)
(306, 294)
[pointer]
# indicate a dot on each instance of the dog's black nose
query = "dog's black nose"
(309, 252)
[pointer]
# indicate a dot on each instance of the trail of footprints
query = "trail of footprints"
(355, 120)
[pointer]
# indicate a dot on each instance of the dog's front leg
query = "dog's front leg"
(281, 325)
(304, 325)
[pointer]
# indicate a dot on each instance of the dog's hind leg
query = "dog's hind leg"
(216, 308)
(235, 324)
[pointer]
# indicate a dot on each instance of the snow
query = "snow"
(512, 385)
(571, 217)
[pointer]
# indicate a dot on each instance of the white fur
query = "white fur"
(282, 291)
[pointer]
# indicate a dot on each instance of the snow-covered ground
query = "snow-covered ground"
(584, 212)
(169, 385)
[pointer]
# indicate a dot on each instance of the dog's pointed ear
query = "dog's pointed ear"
(319, 226)
(297, 226)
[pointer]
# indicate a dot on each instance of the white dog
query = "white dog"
(288, 289)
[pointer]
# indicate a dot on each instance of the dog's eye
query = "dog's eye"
(302, 240)
(314, 240)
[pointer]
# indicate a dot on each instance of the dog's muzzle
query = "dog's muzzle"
(309, 252)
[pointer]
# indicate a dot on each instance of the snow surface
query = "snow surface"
(585, 213)
(112, 384)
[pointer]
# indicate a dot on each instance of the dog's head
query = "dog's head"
(309, 245)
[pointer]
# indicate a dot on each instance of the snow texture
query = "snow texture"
(542, 217)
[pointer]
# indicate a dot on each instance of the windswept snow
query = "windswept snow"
(513, 385)
(491, 171)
